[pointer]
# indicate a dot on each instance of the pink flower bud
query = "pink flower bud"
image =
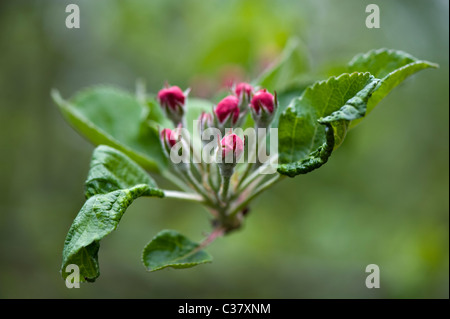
(228, 107)
(168, 138)
(232, 147)
(171, 97)
(205, 121)
(245, 90)
(263, 99)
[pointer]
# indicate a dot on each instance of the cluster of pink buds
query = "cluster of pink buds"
(229, 114)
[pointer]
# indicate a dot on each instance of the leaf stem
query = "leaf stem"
(244, 175)
(184, 196)
(254, 175)
(258, 191)
(225, 187)
(199, 187)
(175, 180)
(217, 232)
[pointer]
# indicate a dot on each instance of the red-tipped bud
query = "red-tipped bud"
(205, 120)
(172, 101)
(263, 99)
(228, 108)
(171, 97)
(244, 91)
(168, 138)
(232, 148)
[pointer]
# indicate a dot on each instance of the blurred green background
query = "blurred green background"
(382, 198)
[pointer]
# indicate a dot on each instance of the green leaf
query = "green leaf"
(391, 66)
(155, 115)
(339, 103)
(112, 170)
(114, 117)
(285, 98)
(289, 71)
(114, 182)
(314, 160)
(171, 249)
(317, 122)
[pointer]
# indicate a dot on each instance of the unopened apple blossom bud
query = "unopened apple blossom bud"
(205, 121)
(168, 140)
(263, 106)
(244, 91)
(230, 151)
(263, 100)
(232, 146)
(172, 101)
(227, 109)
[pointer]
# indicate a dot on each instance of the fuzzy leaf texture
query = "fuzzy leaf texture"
(171, 249)
(113, 183)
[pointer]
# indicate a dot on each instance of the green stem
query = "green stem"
(254, 175)
(244, 176)
(258, 191)
(225, 187)
(175, 180)
(217, 232)
(184, 196)
(212, 179)
(141, 94)
(196, 161)
(198, 187)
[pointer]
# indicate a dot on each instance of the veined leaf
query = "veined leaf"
(391, 66)
(341, 102)
(317, 122)
(114, 117)
(114, 182)
(314, 160)
(171, 249)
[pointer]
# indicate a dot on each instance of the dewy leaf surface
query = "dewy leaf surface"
(114, 182)
(171, 249)
(114, 117)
